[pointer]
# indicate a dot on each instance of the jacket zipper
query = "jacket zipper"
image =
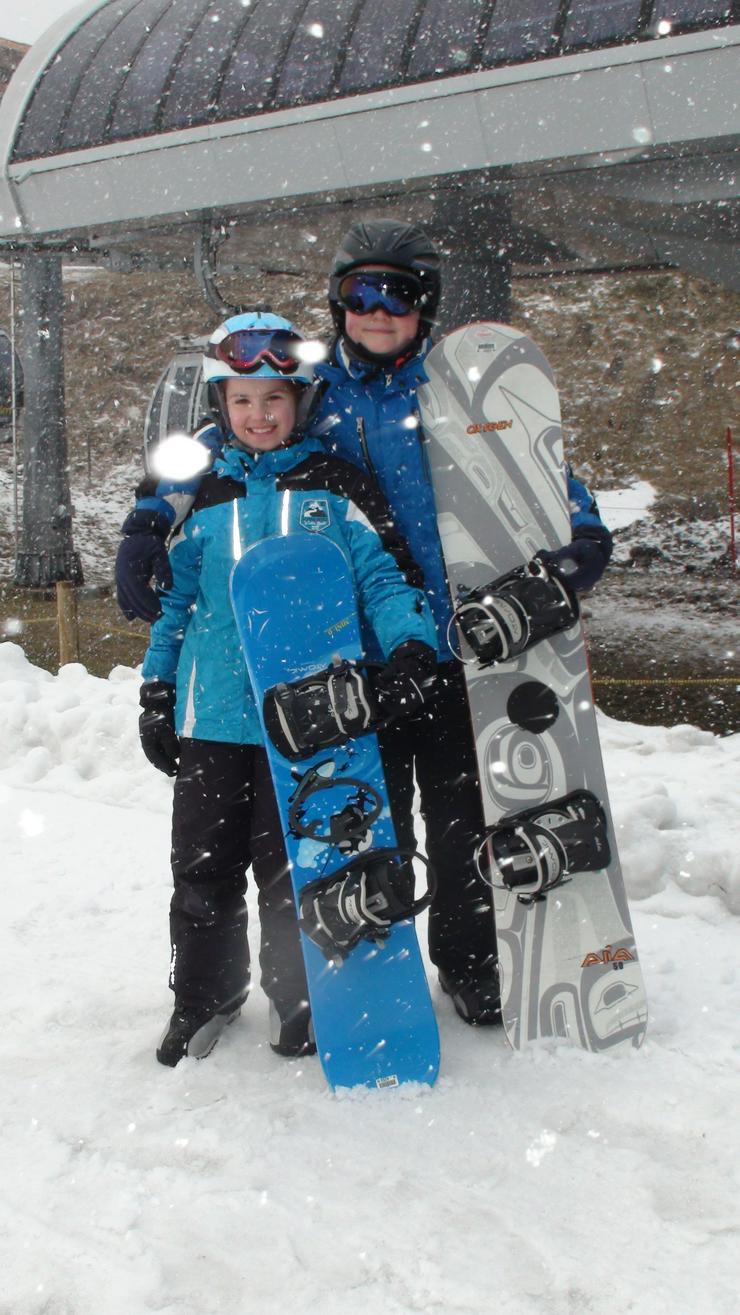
(363, 444)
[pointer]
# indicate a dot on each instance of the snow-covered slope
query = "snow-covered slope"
(544, 1183)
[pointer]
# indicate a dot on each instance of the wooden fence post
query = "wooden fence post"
(731, 496)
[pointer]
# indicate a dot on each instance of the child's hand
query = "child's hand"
(157, 726)
(402, 686)
(580, 565)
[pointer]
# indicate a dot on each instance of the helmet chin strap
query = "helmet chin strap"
(381, 360)
(290, 441)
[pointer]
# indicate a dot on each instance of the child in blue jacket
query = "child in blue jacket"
(199, 719)
(383, 293)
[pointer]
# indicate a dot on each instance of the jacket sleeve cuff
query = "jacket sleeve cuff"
(597, 534)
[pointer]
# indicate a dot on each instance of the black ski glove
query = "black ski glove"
(581, 564)
(404, 685)
(141, 556)
(157, 726)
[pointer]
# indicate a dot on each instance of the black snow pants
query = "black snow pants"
(224, 820)
(438, 746)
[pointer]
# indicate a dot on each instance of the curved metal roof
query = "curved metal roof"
(136, 68)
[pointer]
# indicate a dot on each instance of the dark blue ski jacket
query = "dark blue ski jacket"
(371, 418)
(300, 489)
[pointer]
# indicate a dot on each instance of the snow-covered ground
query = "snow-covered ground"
(542, 1183)
(622, 507)
(99, 511)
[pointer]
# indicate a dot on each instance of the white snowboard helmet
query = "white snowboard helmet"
(257, 345)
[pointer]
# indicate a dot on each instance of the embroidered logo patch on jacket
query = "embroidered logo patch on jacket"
(315, 514)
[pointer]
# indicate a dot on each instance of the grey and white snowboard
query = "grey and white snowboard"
(491, 417)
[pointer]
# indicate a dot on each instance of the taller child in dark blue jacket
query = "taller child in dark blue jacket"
(383, 293)
(199, 720)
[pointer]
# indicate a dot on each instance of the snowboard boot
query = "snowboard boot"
(476, 998)
(193, 1030)
(291, 1033)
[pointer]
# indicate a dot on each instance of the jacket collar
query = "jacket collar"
(342, 366)
(237, 463)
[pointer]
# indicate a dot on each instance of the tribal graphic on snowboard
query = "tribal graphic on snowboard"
(568, 960)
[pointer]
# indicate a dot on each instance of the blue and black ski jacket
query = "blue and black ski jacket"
(194, 644)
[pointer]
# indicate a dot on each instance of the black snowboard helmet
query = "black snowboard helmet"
(399, 246)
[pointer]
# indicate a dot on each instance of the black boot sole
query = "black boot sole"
(201, 1043)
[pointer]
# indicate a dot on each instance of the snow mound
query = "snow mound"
(669, 786)
(669, 789)
(75, 733)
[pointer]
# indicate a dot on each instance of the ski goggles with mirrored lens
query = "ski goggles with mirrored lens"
(366, 290)
(246, 349)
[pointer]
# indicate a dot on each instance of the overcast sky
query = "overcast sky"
(27, 20)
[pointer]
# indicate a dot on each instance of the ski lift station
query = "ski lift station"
(536, 135)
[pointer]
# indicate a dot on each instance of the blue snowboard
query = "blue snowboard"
(295, 609)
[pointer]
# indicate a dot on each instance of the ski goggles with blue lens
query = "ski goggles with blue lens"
(245, 350)
(366, 290)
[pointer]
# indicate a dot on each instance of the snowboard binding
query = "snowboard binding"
(350, 828)
(319, 711)
(360, 901)
(502, 619)
(534, 851)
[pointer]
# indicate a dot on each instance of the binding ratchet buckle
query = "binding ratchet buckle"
(502, 619)
(361, 901)
(534, 851)
(319, 711)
